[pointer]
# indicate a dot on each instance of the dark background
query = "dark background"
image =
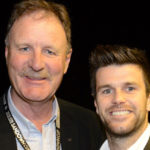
(92, 23)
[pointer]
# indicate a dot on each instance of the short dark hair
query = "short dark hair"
(30, 6)
(105, 55)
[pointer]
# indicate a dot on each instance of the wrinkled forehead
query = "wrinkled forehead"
(36, 16)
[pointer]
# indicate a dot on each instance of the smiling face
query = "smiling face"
(121, 99)
(37, 56)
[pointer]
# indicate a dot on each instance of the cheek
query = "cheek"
(100, 106)
(139, 100)
(55, 66)
(15, 64)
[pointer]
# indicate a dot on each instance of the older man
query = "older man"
(38, 52)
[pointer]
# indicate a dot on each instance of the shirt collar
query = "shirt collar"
(19, 117)
(138, 145)
(105, 146)
(142, 140)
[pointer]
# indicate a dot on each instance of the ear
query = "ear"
(67, 61)
(6, 52)
(96, 106)
(148, 103)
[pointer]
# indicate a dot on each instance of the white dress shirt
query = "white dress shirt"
(138, 145)
(35, 139)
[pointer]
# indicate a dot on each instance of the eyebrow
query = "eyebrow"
(109, 86)
(103, 86)
(21, 44)
(131, 83)
(30, 45)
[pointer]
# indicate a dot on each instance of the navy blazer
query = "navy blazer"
(80, 128)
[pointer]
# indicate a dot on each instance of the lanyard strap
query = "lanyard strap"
(17, 131)
(57, 122)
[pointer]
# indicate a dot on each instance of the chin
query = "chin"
(120, 131)
(36, 96)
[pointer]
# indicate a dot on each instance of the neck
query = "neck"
(38, 113)
(124, 142)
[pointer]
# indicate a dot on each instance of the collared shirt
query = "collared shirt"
(138, 145)
(35, 139)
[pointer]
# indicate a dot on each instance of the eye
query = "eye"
(130, 88)
(24, 49)
(106, 91)
(49, 52)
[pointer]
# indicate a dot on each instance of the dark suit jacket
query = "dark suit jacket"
(80, 129)
(147, 147)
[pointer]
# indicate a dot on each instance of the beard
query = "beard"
(124, 131)
(121, 134)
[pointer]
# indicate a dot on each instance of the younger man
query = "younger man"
(121, 87)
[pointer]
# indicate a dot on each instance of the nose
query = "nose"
(36, 61)
(119, 97)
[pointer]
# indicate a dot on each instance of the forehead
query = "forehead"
(37, 17)
(116, 74)
(38, 27)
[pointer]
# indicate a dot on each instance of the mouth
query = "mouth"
(120, 112)
(35, 78)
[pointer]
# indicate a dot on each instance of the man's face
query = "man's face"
(121, 99)
(36, 56)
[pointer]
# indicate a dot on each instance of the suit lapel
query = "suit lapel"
(69, 131)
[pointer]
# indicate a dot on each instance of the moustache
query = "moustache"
(28, 72)
(119, 107)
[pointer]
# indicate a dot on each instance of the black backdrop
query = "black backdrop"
(92, 23)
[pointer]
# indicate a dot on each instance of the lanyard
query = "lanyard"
(17, 131)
